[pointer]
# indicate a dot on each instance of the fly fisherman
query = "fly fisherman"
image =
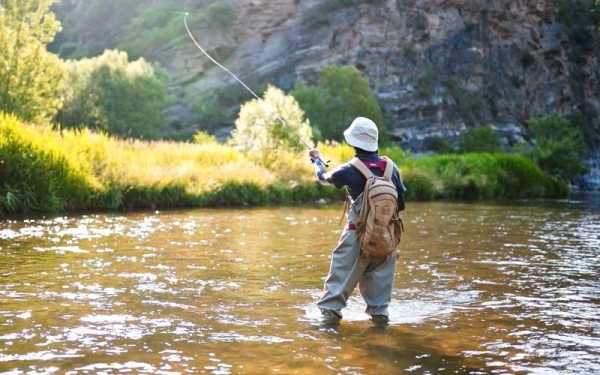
(365, 253)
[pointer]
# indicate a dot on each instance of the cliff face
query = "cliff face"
(437, 66)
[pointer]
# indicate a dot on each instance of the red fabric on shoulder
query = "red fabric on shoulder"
(379, 164)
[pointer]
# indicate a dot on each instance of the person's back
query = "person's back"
(375, 276)
(350, 177)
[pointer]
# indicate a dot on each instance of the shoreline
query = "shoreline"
(574, 199)
(49, 171)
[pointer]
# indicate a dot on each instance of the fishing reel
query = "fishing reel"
(319, 162)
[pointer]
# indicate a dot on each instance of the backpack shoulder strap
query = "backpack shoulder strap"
(389, 168)
(358, 164)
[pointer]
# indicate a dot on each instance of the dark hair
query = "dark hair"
(361, 151)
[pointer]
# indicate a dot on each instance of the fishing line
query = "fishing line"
(223, 67)
(189, 32)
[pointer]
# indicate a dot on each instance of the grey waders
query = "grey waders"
(374, 276)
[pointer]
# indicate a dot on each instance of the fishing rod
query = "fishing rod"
(239, 80)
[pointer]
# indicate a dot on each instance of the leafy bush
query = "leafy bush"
(341, 95)
(112, 94)
(438, 145)
(221, 13)
(221, 106)
(203, 138)
(421, 185)
(487, 176)
(559, 146)
(480, 139)
(211, 112)
(29, 75)
(270, 124)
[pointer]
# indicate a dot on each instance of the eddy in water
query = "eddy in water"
(366, 252)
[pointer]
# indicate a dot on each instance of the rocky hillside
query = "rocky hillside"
(437, 66)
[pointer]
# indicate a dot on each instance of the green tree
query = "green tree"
(341, 95)
(30, 76)
(110, 93)
(259, 128)
(480, 139)
(221, 14)
(558, 146)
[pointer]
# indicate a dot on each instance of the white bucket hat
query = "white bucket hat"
(363, 134)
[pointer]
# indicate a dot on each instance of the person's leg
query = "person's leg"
(345, 271)
(376, 285)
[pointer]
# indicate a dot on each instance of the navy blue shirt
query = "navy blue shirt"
(348, 176)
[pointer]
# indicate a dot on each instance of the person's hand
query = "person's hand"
(314, 154)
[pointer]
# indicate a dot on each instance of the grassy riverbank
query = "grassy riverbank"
(48, 171)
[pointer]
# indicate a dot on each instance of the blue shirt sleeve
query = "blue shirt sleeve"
(339, 177)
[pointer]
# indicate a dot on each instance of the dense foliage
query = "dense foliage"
(478, 176)
(112, 94)
(559, 147)
(438, 145)
(30, 77)
(271, 124)
(220, 107)
(92, 26)
(479, 139)
(220, 13)
(341, 94)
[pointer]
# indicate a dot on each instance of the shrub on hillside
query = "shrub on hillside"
(438, 145)
(221, 106)
(91, 26)
(342, 94)
(221, 13)
(112, 94)
(154, 26)
(480, 139)
(558, 146)
(270, 124)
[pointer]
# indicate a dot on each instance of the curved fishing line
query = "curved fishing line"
(189, 32)
(223, 67)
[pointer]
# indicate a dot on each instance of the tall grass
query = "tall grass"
(45, 170)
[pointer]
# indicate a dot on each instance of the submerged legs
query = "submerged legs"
(376, 278)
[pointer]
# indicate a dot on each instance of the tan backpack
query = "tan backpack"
(379, 226)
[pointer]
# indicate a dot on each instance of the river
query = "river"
(480, 288)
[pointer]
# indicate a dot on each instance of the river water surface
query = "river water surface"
(480, 288)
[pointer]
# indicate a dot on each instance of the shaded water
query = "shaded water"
(479, 289)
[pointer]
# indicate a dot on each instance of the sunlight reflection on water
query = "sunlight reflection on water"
(479, 289)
